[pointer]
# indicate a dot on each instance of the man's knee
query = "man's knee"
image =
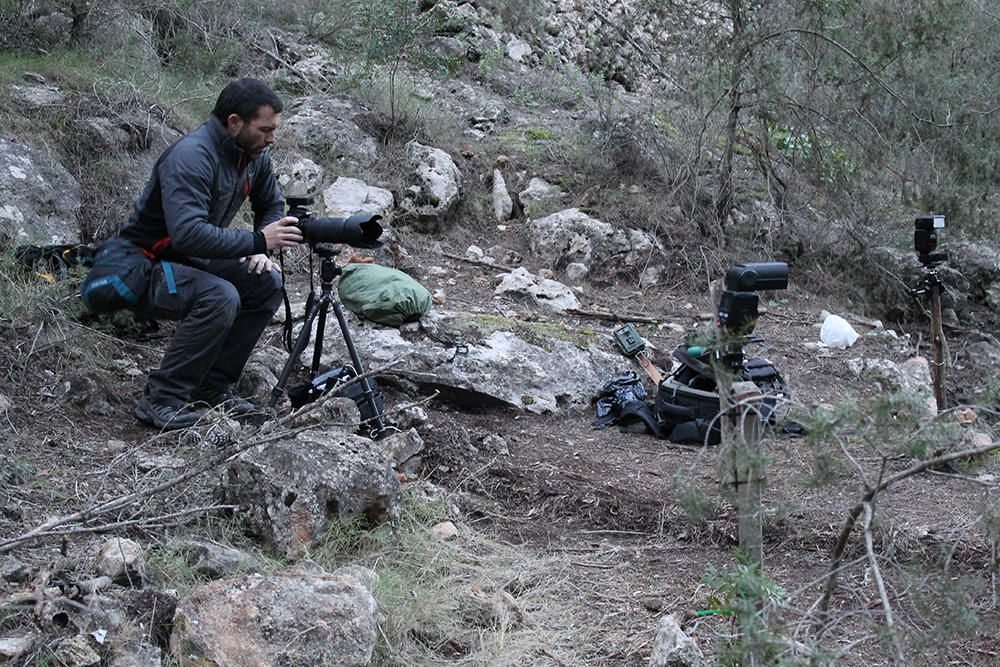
(221, 301)
(272, 288)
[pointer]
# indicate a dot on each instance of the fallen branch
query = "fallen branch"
(143, 522)
(612, 317)
(852, 516)
(479, 262)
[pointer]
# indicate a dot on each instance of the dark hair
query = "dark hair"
(244, 97)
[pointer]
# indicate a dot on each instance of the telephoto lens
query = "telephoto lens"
(360, 230)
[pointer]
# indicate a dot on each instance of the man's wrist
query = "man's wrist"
(259, 243)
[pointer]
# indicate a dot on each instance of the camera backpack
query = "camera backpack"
(687, 401)
(337, 380)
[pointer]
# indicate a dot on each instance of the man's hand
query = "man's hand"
(282, 233)
(259, 264)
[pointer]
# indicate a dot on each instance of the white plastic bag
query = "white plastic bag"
(837, 332)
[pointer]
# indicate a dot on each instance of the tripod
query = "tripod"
(318, 307)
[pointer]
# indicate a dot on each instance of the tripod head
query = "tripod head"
(324, 250)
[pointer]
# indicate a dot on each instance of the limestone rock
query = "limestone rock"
(572, 236)
(347, 196)
(503, 205)
(324, 125)
(298, 175)
(122, 560)
(913, 378)
(291, 491)
(39, 198)
(142, 655)
(503, 368)
(403, 445)
(673, 648)
(216, 560)
(436, 186)
(297, 617)
(75, 652)
(538, 197)
(15, 647)
(39, 96)
(549, 294)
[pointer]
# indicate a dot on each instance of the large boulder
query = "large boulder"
(506, 362)
(303, 617)
(324, 126)
(435, 186)
(980, 265)
(293, 490)
(347, 196)
(298, 175)
(970, 279)
(911, 378)
(572, 236)
(549, 294)
(39, 199)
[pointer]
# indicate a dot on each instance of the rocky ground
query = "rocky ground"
(616, 529)
(588, 538)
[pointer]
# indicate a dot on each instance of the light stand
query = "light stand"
(925, 241)
(932, 284)
(318, 307)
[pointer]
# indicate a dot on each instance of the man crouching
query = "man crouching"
(218, 282)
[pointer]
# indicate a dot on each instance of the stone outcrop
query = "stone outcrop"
(501, 368)
(39, 198)
(302, 616)
(572, 236)
(293, 490)
(324, 126)
(435, 186)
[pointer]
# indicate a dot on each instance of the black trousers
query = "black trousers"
(222, 310)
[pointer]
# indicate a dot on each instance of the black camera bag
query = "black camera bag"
(118, 278)
(687, 402)
(331, 381)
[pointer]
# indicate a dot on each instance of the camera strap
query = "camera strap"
(286, 330)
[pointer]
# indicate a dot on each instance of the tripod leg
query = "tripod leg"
(297, 348)
(324, 305)
(366, 387)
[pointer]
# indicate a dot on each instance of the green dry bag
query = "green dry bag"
(383, 295)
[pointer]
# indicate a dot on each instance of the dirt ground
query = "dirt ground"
(631, 524)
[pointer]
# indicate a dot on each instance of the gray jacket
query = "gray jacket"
(195, 191)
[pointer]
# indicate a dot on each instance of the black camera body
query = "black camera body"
(360, 230)
(925, 239)
(738, 312)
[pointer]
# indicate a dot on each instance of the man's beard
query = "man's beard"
(246, 144)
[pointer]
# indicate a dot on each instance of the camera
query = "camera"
(360, 230)
(925, 239)
(738, 305)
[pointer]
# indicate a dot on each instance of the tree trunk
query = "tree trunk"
(737, 50)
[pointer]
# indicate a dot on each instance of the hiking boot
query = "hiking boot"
(165, 417)
(224, 399)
